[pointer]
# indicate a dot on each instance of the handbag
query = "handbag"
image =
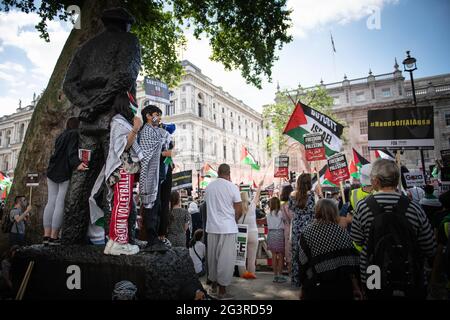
(203, 272)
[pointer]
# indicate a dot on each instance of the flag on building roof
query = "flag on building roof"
(247, 158)
(306, 120)
(332, 43)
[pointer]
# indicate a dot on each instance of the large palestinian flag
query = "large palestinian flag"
(356, 164)
(306, 120)
(325, 178)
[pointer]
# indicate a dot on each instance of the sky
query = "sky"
(368, 34)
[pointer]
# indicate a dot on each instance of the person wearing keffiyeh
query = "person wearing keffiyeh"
(153, 140)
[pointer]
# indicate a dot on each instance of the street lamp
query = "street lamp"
(409, 65)
(198, 166)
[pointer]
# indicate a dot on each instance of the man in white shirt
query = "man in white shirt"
(224, 208)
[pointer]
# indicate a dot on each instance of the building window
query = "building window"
(246, 133)
(183, 105)
(363, 127)
(183, 88)
(360, 97)
(215, 148)
(373, 93)
(365, 152)
(184, 127)
(214, 116)
(1, 139)
(214, 106)
(168, 110)
(336, 101)
(347, 97)
(231, 114)
(447, 118)
(8, 138)
(225, 152)
(200, 110)
(234, 154)
(386, 92)
(223, 124)
(400, 91)
(239, 118)
(232, 126)
(239, 130)
(223, 110)
(200, 145)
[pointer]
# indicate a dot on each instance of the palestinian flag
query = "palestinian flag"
(208, 171)
(133, 104)
(247, 158)
(359, 159)
(306, 120)
(384, 154)
(354, 170)
(325, 178)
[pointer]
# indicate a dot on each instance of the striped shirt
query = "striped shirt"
(362, 220)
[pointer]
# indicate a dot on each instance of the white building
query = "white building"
(212, 126)
(12, 133)
(354, 97)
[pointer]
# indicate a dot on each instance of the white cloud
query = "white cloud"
(308, 15)
(19, 80)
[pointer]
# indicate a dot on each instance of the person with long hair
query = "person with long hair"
(178, 221)
(329, 262)
(62, 163)
(287, 216)
(275, 239)
(249, 218)
(197, 251)
(301, 202)
(122, 163)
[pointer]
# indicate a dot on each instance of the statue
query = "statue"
(101, 68)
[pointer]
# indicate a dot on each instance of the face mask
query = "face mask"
(155, 120)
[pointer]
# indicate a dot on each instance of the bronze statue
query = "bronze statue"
(103, 66)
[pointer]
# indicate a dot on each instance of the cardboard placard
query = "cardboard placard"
(182, 180)
(314, 147)
(32, 180)
(241, 245)
(281, 167)
(445, 155)
(338, 167)
(414, 179)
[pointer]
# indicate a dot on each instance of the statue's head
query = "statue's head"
(119, 18)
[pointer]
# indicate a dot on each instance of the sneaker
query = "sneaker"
(281, 279)
(54, 242)
(123, 248)
(225, 296)
(140, 243)
(108, 247)
(45, 241)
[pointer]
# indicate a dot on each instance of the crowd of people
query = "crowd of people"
(326, 246)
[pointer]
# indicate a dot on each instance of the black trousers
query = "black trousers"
(166, 188)
(152, 219)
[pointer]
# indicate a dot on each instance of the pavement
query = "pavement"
(261, 288)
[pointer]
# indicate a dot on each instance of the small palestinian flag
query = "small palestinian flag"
(247, 158)
(353, 169)
(325, 178)
(384, 154)
(133, 104)
(359, 159)
(208, 171)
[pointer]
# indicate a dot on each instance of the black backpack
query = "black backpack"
(393, 247)
(7, 224)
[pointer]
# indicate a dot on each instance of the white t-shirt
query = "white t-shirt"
(275, 222)
(250, 218)
(200, 249)
(220, 197)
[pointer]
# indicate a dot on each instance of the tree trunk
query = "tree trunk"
(49, 119)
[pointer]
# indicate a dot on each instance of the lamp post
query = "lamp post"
(410, 66)
(198, 166)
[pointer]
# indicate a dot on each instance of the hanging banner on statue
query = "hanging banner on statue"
(414, 179)
(182, 180)
(402, 128)
(241, 245)
(281, 167)
(337, 165)
(32, 180)
(156, 90)
(445, 156)
(314, 147)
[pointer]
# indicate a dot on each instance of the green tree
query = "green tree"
(277, 115)
(244, 35)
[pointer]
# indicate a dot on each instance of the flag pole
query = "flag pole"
(318, 178)
(341, 184)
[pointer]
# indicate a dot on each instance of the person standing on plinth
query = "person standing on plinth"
(101, 68)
